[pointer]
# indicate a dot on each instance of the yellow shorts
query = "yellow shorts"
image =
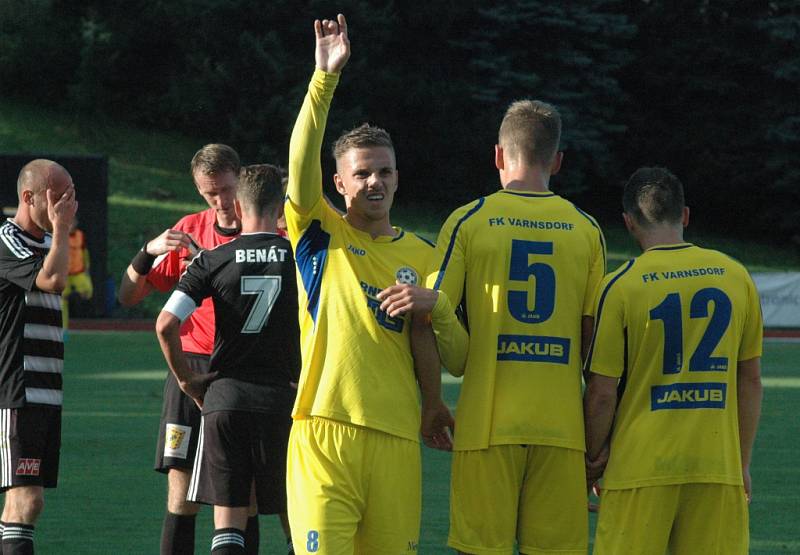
(708, 519)
(532, 494)
(352, 489)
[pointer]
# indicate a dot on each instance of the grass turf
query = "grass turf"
(110, 501)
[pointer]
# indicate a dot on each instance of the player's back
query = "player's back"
(527, 265)
(688, 316)
(251, 281)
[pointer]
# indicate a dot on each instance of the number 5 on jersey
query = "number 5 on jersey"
(544, 294)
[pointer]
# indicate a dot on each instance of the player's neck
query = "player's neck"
(526, 179)
(23, 219)
(226, 222)
(259, 224)
(375, 228)
(660, 236)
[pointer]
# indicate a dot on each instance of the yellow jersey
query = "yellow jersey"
(672, 324)
(525, 266)
(357, 365)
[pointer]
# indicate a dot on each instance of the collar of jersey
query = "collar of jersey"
(528, 193)
(381, 238)
(674, 247)
(28, 235)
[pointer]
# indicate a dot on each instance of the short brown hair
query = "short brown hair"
(260, 187)
(363, 136)
(215, 158)
(653, 196)
(531, 129)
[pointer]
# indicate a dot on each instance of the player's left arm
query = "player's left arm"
(748, 381)
(599, 407)
(749, 394)
(436, 422)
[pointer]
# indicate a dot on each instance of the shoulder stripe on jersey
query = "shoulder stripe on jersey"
(597, 227)
(43, 364)
(14, 243)
(399, 236)
(600, 309)
(43, 300)
(41, 396)
(44, 332)
(450, 246)
(311, 254)
(424, 240)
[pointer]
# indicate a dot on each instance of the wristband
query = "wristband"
(142, 263)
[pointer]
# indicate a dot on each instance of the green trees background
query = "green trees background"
(708, 88)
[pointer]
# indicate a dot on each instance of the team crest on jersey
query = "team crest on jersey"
(407, 275)
(177, 441)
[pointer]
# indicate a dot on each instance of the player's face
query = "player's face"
(38, 209)
(367, 178)
(219, 191)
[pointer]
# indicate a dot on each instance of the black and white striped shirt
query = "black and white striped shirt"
(31, 333)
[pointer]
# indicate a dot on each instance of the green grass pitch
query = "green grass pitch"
(110, 501)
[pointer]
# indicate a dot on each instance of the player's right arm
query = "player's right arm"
(305, 173)
(189, 294)
(135, 286)
(52, 277)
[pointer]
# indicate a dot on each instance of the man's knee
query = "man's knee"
(177, 487)
(23, 504)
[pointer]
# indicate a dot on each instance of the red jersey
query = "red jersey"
(197, 332)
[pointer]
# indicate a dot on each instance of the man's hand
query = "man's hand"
(403, 298)
(596, 467)
(196, 385)
(748, 484)
(437, 426)
(170, 240)
(61, 210)
(333, 46)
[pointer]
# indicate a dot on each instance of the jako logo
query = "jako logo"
(28, 467)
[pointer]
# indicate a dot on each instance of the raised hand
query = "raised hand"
(333, 46)
(169, 240)
(61, 210)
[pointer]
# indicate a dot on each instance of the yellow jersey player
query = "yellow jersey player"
(674, 386)
(525, 263)
(353, 462)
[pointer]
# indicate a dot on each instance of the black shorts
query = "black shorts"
(180, 421)
(30, 446)
(237, 448)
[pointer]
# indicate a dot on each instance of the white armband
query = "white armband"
(180, 305)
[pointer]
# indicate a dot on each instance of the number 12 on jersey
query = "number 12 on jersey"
(669, 311)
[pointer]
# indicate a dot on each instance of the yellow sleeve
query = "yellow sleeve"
(305, 172)
(596, 273)
(452, 339)
(753, 332)
(607, 352)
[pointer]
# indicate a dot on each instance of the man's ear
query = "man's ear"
(499, 163)
(556, 165)
(629, 223)
(337, 180)
(685, 218)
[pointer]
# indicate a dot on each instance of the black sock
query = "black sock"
(228, 541)
(251, 536)
(177, 534)
(17, 539)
